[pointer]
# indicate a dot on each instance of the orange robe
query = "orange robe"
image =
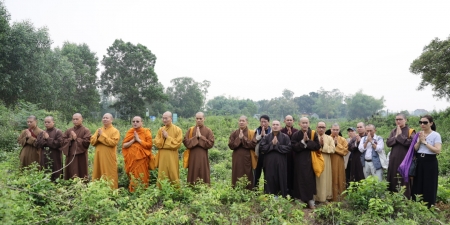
(338, 168)
(30, 151)
(105, 159)
(168, 166)
(137, 156)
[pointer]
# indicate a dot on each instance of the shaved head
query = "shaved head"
(200, 114)
(304, 123)
(50, 118)
(167, 118)
(77, 119)
(109, 115)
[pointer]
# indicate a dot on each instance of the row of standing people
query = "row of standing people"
(289, 159)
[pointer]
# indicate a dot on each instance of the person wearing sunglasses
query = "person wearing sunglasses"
(427, 147)
(137, 151)
(105, 140)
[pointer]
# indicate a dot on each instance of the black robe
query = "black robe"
(399, 147)
(304, 177)
(290, 163)
(354, 162)
(275, 163)
(51, 159)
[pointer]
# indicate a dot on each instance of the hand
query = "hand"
(335, 140)
(241, 134)
(165, 134)
(263, 131)
(136, 137)
(99, 131)
(289, 131)
(28, 133)
(275, 140)
(399, 131)
(358, 138)
(45, 135)
(305, 136)
(198, 134)
(422, 137)
(369, 138)
(74, 136)
(321, 140)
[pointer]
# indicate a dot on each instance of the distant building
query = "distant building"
(420, 112)
(310, 115)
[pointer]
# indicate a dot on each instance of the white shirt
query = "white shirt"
(375, 140)
(431, 139)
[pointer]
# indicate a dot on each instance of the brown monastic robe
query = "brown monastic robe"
(275, 162)
(338, 168)
(30, 150)
(304, 177)
(51, 159)
(399, 147)
(76, 152)
(241, 159)
(198, 158)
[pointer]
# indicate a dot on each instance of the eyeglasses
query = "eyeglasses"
(135, 121)
(398, 119)
(423, 122)
(321, 127)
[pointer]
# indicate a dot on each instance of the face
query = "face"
(49, 123)
(351, 133)
(304, 124)
(200, 119)
(31, 123)
(136, 122)
(400, 121)
(107, 120)
(242, 123)
(289, 121)
(370, 131)
(276, 126)
(263, 123)
(335, 131)
(77, 120)
(167, 119)
(425, 123)
(360, 128)
(321, 128)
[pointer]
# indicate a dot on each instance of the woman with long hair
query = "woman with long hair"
(427, 147)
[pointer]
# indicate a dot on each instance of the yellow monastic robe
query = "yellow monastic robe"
(105, 159)
(168, 153)
(323, 183)
(338, 165)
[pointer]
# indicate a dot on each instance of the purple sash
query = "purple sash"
(403, 169)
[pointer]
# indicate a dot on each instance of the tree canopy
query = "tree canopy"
(187, 96)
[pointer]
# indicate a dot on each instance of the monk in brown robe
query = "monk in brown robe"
(399, 140)
(275, 147)
(241, 145)
(354, 162)
(137, 151)
(198, 139)
(289, 130)
(305, 179)
(338, 163)
(28, 141)
(105, 140)
(75, 143)
(50, 142)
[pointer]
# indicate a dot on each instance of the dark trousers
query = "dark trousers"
(259, 169)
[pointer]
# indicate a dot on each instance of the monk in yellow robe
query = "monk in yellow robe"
(199, 139)
(137, 150)
(105, 141)
(168, 141)
(28, 141)
(323, 182)
(338, 163)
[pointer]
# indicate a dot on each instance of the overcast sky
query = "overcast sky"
(255, 49)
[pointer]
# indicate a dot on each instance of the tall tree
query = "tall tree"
(85, 65)
(328, 102)
(187, 96)
(5, 17)
(362, 106)
(221, 105)
(434, 67)
(129, 76)
(288, 94)
(305, 103)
